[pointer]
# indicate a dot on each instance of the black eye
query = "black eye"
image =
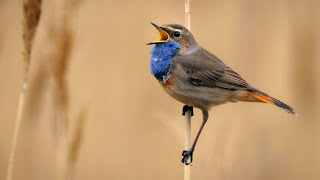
(176, 34)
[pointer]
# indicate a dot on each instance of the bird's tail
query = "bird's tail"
(263, 97)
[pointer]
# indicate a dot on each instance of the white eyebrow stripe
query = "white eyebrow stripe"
(172, 29)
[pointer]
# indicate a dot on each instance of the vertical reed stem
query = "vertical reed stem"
(187, 15)
(187, 139)
(31, 16)
(15, 136)
(187, 143)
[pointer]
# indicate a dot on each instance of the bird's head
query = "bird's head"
(176, 33)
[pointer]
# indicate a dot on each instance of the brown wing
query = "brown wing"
(231, 80)
(205, 69)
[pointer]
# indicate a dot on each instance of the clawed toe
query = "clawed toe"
(186, 108)
(187, 157)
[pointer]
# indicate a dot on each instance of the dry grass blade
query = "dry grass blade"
(31, 16)
(76, 141)
(52, 57)
(59, 41)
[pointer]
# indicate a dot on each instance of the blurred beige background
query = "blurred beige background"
(133, 130)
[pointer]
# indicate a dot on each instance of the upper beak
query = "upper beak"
(164, 36)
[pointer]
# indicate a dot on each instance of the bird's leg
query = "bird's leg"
(188, 155)
(186, 108)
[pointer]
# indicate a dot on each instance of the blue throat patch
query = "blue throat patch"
(162, 55)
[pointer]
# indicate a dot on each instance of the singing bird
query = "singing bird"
(197, 78)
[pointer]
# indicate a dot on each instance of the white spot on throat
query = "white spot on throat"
(155, 59)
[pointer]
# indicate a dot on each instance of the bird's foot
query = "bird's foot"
(187, 156)
(186, 108)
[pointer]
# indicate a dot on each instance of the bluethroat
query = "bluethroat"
(197, 78)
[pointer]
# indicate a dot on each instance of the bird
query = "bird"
(197, 78)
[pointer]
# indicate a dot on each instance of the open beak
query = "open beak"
(164, 36)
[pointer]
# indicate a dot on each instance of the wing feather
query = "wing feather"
(204, 69)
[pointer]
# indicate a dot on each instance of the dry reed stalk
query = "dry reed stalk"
(76, 141)
(59, 46)
(187, 143)
(187, 139)
(31, 16)
(52, 57)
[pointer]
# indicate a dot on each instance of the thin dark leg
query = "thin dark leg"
(186, 108)
(189, 154)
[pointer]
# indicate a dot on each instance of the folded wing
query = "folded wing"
(204, 69)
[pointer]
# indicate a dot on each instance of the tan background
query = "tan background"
(133, 130)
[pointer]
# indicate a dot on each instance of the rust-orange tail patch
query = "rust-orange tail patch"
(270, 100)
(262, 98)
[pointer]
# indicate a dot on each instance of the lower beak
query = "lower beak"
(164, 36)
